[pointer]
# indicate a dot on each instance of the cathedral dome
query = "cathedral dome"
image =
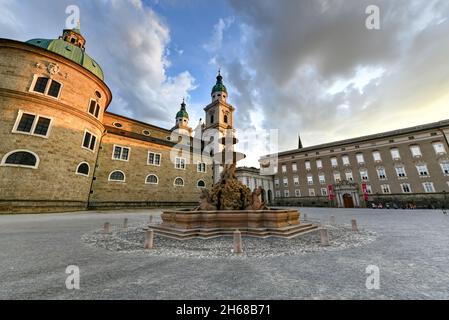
(219, 86)
(70, 46)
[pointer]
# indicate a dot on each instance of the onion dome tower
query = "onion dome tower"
(182, 119)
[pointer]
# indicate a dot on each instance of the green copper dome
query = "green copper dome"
(73, 51)
(183, 112)
(219, 86)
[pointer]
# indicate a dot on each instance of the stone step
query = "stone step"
(185, 234)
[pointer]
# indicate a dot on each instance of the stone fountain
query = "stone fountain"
(228, 206)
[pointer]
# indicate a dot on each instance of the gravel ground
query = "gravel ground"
(132, 240)
(410, 247)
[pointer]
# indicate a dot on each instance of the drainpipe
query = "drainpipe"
(95, 167)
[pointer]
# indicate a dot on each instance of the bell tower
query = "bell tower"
(219, 121)
(219, 113)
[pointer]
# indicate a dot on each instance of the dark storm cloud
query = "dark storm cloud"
(299, 49)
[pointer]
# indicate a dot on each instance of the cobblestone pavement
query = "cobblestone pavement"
(411, 250)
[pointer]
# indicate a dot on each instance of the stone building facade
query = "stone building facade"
(60, 150)
(397, 168)
(251, 178)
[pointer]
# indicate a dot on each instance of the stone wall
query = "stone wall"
(54, 184)
(134, 191)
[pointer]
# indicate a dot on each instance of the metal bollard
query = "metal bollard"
(151, 219)
(305, 217)
(125, 223)
(107, 227)
(324, 236)
(149, 239)
(354, 225)
(237, 242)
(332, 219)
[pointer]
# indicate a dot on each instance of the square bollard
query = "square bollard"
(149, 239)
(324, 237)
(332, 220)
(237, 242)
(354, 225)
(107, 227)
(125, 223)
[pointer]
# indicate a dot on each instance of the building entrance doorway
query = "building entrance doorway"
(270, 197)
(348, 201)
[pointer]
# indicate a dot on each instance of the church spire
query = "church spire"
(299, 142)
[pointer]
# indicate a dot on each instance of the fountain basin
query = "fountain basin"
(187, 224)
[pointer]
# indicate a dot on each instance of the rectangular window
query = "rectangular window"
(284, 168)
(364, 174)
(439, 148)
(416, 151)
(42, 126)
(307, 164)
(360, 158)
(310, 179)
(89, 141)
(294, 167)
(445, 167)
(395, 155)
(376, 156)
(349, 176)
(180, 163)
(278, 194)
(385, 189)
(337, 177)
(54, 89)
(297, 193)
(154, 159)
(285, 182)
(120, 153)
(276, 183)
(324, 192)
(422, 170)
(400, 171)
(369, 190)
(201, 167)
(286, 193)
(32, 124)
(296, 181)
(319, 164)
(312, 192)
(322, 178)
(94, 108)
(406, 188)
(334, 162)
(381, 173)
(428, 187)
(47, 87)
(41, 85)
(26, 123)
(345, 160)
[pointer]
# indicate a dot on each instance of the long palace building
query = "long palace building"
(61, 150)
(399, 168)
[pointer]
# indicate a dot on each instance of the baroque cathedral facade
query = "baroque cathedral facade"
(61, 150)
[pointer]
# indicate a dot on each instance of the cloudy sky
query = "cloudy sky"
(304, 66)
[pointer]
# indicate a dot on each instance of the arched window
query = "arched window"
(83, 169)
(152, 179)
(201, 184)
(117, 176)
(179, 182)
(21, 158)
(225, 119)
(212, 118)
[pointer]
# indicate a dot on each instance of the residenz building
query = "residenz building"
(395, 169)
